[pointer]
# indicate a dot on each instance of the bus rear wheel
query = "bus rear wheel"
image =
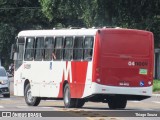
(117, 102)
(29, 99)
(68, 101)
(79, 103)
(71, 102)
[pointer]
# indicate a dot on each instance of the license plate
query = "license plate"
(143, 71)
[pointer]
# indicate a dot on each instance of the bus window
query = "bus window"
(78, 48)
(88, 48)
(39, 46)
(49, 47)
(20, 51)
(21, 41)
(30, 43)
(58, 48)
(29, 49)
(68, 48)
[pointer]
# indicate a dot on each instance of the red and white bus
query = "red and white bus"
(78, 65)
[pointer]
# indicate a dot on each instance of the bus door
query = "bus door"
(18, 57)
(20, 53)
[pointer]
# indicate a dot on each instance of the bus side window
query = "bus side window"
(78, 48)
(68, 48)
(39, 48)
(29, 49)
(49, 48)
(88, 48)
(21, 41)
(58, 48)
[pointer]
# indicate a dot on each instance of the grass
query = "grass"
(156, 85)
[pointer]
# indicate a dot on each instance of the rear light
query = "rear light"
(149, 82)
(98, 80)
(97, 72)
(150, 78)
(98, 75)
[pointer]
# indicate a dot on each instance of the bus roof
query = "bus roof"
(57, 32)
(73, 32)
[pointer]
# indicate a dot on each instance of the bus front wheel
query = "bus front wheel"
(29, 99)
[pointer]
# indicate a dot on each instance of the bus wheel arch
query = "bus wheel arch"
(70, 102)
(25, 84)
(64, 84)
(29, 99)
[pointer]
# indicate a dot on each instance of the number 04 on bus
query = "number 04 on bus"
(106, 65)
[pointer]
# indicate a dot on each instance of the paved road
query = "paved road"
(18, 104)
(96, 111)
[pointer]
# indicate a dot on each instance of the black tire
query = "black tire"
(31, 101)
(68, 101)
(117, 102)
(80, 103)
(6, 95)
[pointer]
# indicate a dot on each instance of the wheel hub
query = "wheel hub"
(29, 96)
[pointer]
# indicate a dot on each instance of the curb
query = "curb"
(156, 95)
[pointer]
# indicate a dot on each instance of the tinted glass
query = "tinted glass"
(68, 42)
(68, 51)
(2, 72)
(58, 48)
(29, 42)
(39, 43)
(78, 48)
(21, 40)
(59, 42)
(78, 42)
(88, 42)
(49, 42)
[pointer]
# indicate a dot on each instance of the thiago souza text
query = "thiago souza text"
(146, 114)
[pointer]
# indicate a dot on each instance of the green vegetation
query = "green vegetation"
(17, 15)
(156, 86)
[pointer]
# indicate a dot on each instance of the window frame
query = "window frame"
(61, 48)
(31, 58)
(74, 48)
(70, 48)
(50, 48)
(88, 48)
(39, 50)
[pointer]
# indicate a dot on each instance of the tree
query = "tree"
(17, 15)
(62, 12)
(7, 37)
(138, 14)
